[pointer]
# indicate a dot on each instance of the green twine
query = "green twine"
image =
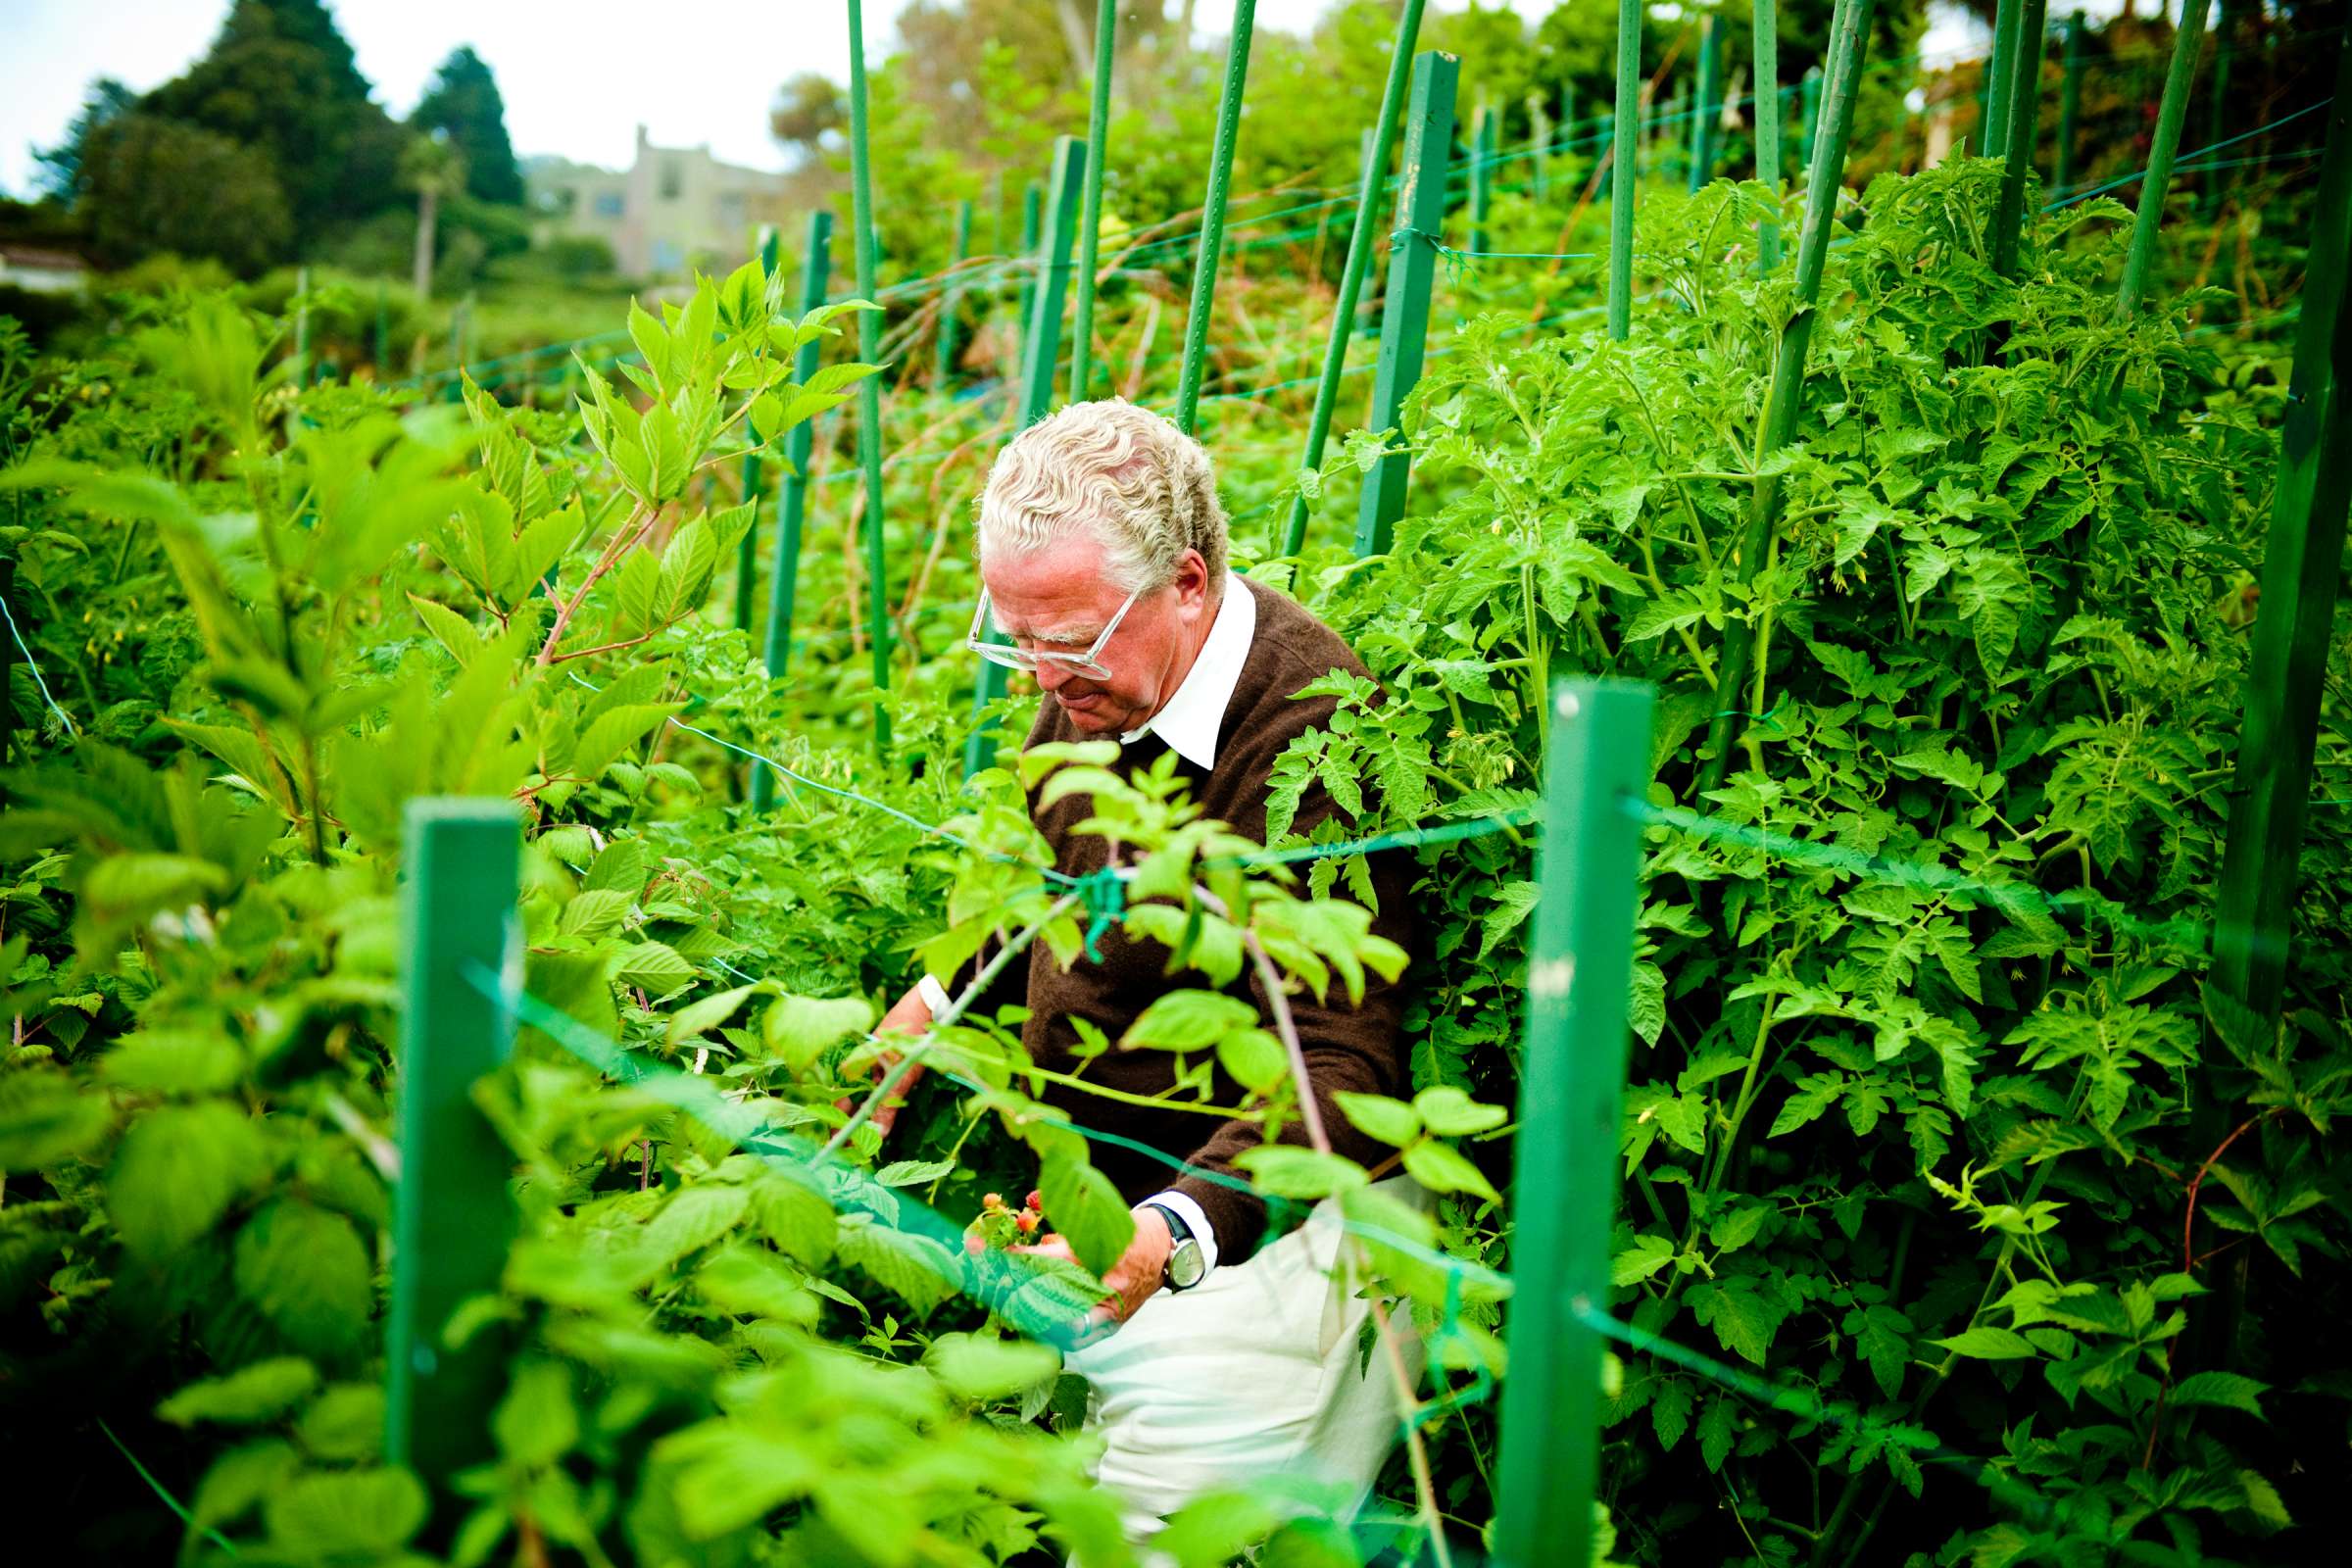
(1105, 895)
(1458, 262)
(34, 665)
(165, 1493)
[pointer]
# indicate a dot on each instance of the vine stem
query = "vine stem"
(1311, 1115)
(622, 538)
(901, 1068)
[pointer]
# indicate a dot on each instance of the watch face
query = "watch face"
(1186, 1266)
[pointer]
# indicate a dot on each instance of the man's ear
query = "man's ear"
(1192, 585)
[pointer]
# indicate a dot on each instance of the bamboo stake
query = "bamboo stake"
(1361, 242)
(1090, 220)
(2179, 81)
(1850, 33)
(869, 390)
(1212, 219)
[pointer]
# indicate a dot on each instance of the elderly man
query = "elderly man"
(1102, 552)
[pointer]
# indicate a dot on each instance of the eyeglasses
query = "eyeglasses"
(1089, 664)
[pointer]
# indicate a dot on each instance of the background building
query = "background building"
(674, 208)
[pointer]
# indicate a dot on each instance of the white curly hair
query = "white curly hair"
(1122, 475)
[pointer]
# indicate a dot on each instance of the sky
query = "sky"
(577, 76)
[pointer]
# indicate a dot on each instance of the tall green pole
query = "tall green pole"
(2024, 117)
(1090, 219)
(792, 499)
(951, 299)
(2253, 920)
(1041, 350)
(1404, 311)
(1362, 241)
(1625, 147)
(1033, 210)
(1999, 73)
(384, 332)
(1706, 110)
(2070, 104)
(1809, 106)
(1767, 45)
(7, 673)
(301, 326)
(2179, 82)
(1850, 33)
(755, 480)
(1213, 216)
(869, 390)
(1572, 1081)
(1539, 149)
(1482, 174)
(2217, 121)
(452, 1217)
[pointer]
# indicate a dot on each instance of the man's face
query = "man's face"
(1058, 599)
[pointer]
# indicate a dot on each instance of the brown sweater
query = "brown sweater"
(1348, 1047)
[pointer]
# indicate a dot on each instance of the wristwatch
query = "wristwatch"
(1185, 1266)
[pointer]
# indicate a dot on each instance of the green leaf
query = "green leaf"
(1743, 1320)
(985, 1368)
(794, 1217)
(248, 1397)
(1286, 1170)
(620, 866)
(1254, 1059)
(1717, 1427)
(1985, 1342)
(731, 1473)
(699, 1017)
(1443, 1168)
(240, 1479)
(593, 913)
(1451, 1113)
(366, 1515)
(654, 965)
(46, 1117)
(1638, 1262)
(345, 1423)
(178, 1172)
(1086, 1211)
(799, 1029)
(174, 1062)
(536, 1423)
(306, 1271)
(1187, 1020)
(1377, 1116)
(2227, 1389)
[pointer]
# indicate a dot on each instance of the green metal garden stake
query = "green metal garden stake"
(1482, 174)
(2017, 138)
(1808, 94)
(2217, 121)
(1999, 72)
(1767, 46)
(1041, 350)
(1539, 149)
(1090, 218)
(1625, 146)
(1033, 207)
(1362, 240)
(8, 674)
(301, 326)
(755, 483)
(452, 1217)
(952, 298)
(383, 333)
(869, 390)
(2179, 81)
(1404, 311)
(2254, 911)
(1213, 216)
(792, 497)
(1580, 976)
(2070, 104)
(1849, 34)
(1706, 108)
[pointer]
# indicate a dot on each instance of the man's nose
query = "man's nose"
(1053, 675)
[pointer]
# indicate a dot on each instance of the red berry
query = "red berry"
(1037, 1200)
(1027, 1223)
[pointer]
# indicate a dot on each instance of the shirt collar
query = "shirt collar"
(1190, 721)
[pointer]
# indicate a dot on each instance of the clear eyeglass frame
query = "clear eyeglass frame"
(1088, 664)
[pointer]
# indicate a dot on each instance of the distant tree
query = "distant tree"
(282, 80)
(808, 108)
(464, 104)
(150, 185)
(432, 167)
(108, 100)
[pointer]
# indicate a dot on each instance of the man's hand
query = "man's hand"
(1133, 1279)
(909, 1017)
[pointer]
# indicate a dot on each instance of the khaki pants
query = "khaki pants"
(1250, 1375)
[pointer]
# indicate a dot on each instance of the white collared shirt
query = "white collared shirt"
(1188, 721)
